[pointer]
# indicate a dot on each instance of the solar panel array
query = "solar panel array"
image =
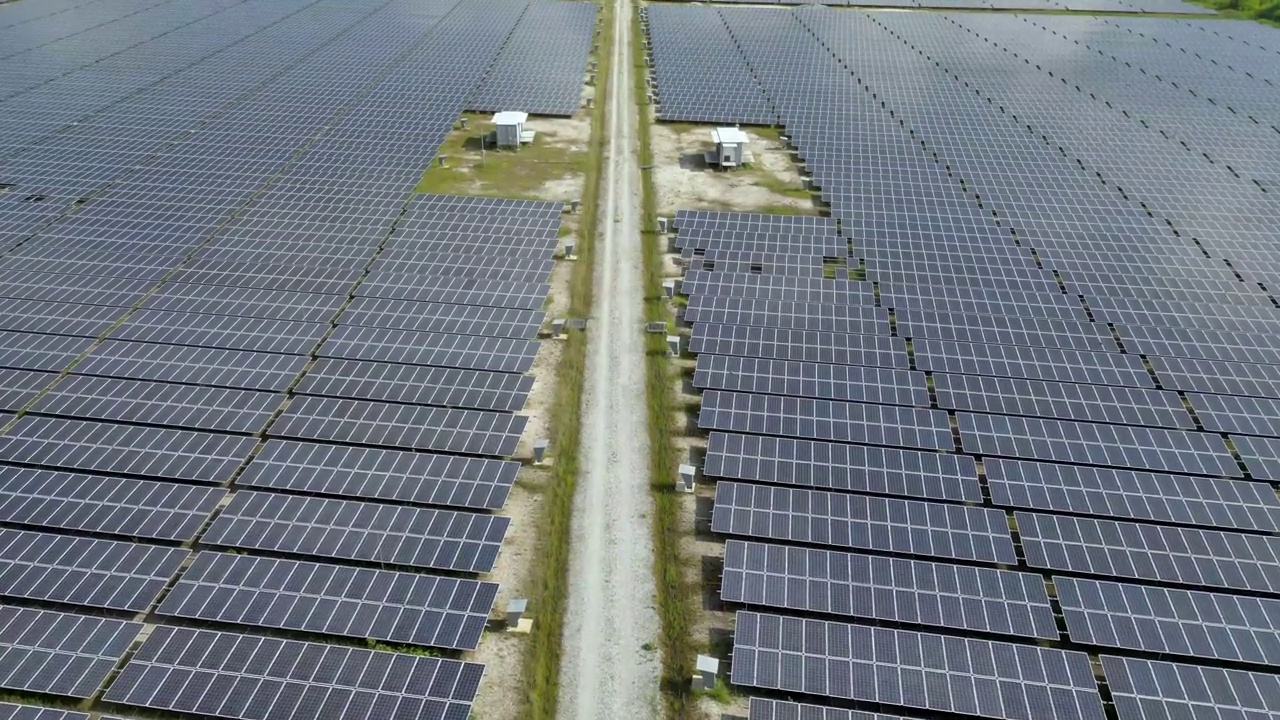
(1017, 456)
(230, 333)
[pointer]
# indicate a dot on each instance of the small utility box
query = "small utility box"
(731, 148)
(707, 668)
(684, 480)
(510, 132)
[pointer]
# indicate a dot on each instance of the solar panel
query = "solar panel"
(1214, 376)
(13, 711)
(84, 571)
(884, 588)
(19, 387)
(443, 318)
(1096, 444)
(1186, 556)
(29, 351)
(1031, 363)
(798, 379)
(416, 348)
(1004, 330)
(850, 319)
(193, 365)
(245, 302)
(463, 291)
(60, 653)
(1067, 401)
(115, 506)
(127, 450)
(1226, 413)
(382, 474)
(801, 345)
(1181, 499)
(769, 709)
(1153, 690)
(862, 522)
(419, 385)
(154, 403)
(826, 420)
(333, 600)
(1261, 455)
(233, 676)
(393, 534)
(912, 669)
(838, 466)
(393, 425)
(56, 318)
(1171, 621)
(221, 331)
(1197, 343)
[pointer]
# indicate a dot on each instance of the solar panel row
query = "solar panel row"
(1101, 354)
(213, 267)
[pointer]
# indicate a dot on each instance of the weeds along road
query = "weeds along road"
(606, 671)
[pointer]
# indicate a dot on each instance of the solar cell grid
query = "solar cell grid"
(770, 709)
(911, 669)
(395, 534)
(463, 291)
(1215, 376)
(827, 291)
(801, 345)
(1187, 556)
(1097, 444)
(56, 318)
(892, 589)
(1153, 690)
(417, 385)
(192, 365)
(333, 600)
(154, 403)
(825, 420)
(862, 522)
(382, 474)
(13, 711)
(1261, 455)
(798, 379)
(443, 318)
(227, 674)
(417, 348)
(220, 331)
(1004, 329)
(1227, 413)
(1031, 363)
(129, 450)
(84, 571)
(30, 351)
(368, 422)
(60, 653)
(1181, 499)
(113, 291)
(1172, 621)
(116, 506)
(1068, 401)
(245, 302)
(839, 466)
(849, 319)
(19, 387)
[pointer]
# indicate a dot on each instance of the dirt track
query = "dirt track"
(610, 668)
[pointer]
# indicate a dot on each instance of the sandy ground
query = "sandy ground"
(682, 181)
(607, 673)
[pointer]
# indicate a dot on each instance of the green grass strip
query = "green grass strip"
(676, 593)
(550, 581)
